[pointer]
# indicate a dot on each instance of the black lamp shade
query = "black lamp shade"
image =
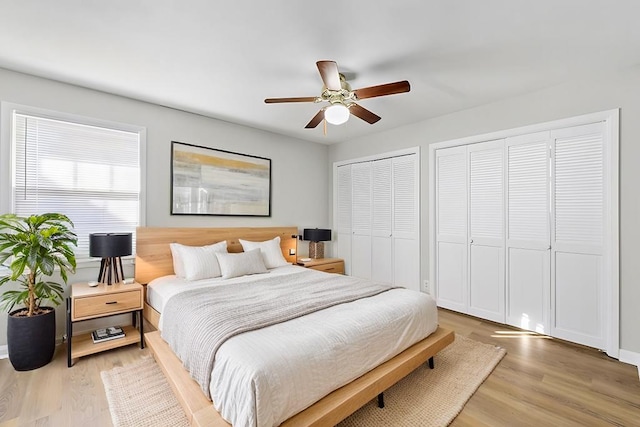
(109, 245)
(316, 234)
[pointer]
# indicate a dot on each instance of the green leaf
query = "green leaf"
(49, 290)
(5, 256)
(12, 222)
(17, 267)
(44, 239)
(10, 299)
(32, 257)
(47, 264)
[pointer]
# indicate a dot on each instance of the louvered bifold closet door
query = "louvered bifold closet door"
(451, 228)
(381, 214)
(406, 221)
(528, 232)
(361, 220)
(343, 218)
(577, 285)
(486, 230)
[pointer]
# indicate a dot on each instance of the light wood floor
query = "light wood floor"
(541, 382)
(546, 382)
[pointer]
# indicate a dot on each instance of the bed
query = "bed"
(369, 377)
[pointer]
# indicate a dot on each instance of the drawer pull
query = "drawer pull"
(111, 302)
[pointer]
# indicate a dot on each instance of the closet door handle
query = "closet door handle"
(471, 241)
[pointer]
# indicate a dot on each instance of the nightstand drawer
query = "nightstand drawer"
(100, 305)
(332, 267)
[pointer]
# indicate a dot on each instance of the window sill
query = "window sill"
(81, 264)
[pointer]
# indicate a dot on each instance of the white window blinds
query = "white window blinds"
(89, 173)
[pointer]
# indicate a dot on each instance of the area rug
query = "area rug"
(433, 397)
(138, 394)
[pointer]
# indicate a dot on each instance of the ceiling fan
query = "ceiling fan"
(342, 100)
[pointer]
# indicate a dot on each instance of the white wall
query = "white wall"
(619, 90)
(298, 188)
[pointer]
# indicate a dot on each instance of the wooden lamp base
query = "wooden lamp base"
(111, 270)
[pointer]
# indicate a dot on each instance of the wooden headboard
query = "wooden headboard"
(153, 256)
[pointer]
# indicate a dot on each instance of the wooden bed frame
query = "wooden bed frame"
(153, 259)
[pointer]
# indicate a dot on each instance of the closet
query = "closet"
(523, 229)
(376, 217)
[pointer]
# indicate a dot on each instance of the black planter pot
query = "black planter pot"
(31, 340)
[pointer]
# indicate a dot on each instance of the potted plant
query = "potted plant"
(34, 246)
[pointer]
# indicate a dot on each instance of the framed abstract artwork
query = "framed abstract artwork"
(208, 181)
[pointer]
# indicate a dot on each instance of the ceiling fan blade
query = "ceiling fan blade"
(299, 99)
(364, 114)
(316, 120)
(382, 90)
(329, 73)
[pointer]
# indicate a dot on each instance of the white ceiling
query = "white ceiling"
(222, 58)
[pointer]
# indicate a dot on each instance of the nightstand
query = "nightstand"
(101, 301)
(328, 265)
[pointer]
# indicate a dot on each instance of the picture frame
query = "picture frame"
(210, 181)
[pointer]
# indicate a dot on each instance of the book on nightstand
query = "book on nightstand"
(106, 334)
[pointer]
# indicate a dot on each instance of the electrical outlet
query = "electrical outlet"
(425, 286)
(292, 251)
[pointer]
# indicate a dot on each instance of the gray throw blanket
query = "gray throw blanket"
(197, 322)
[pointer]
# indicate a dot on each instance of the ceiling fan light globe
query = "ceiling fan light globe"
(336, 114)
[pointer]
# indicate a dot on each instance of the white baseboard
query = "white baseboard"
(630, 357)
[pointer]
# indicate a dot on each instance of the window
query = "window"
(88, 170)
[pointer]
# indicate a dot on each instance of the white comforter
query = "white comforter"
(263, 377)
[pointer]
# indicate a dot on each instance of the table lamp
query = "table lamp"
(316, 237)
(110, 247)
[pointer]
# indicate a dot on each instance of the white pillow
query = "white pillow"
(270, 250)
(197, 262)
(234, 265)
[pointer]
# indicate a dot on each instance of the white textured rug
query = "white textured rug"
(433, 397)
(139, 395)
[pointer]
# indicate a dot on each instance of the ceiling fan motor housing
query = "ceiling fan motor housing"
(338, 96)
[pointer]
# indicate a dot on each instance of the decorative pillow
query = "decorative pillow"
(196, 262)
(270, 250)
(240, 264)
